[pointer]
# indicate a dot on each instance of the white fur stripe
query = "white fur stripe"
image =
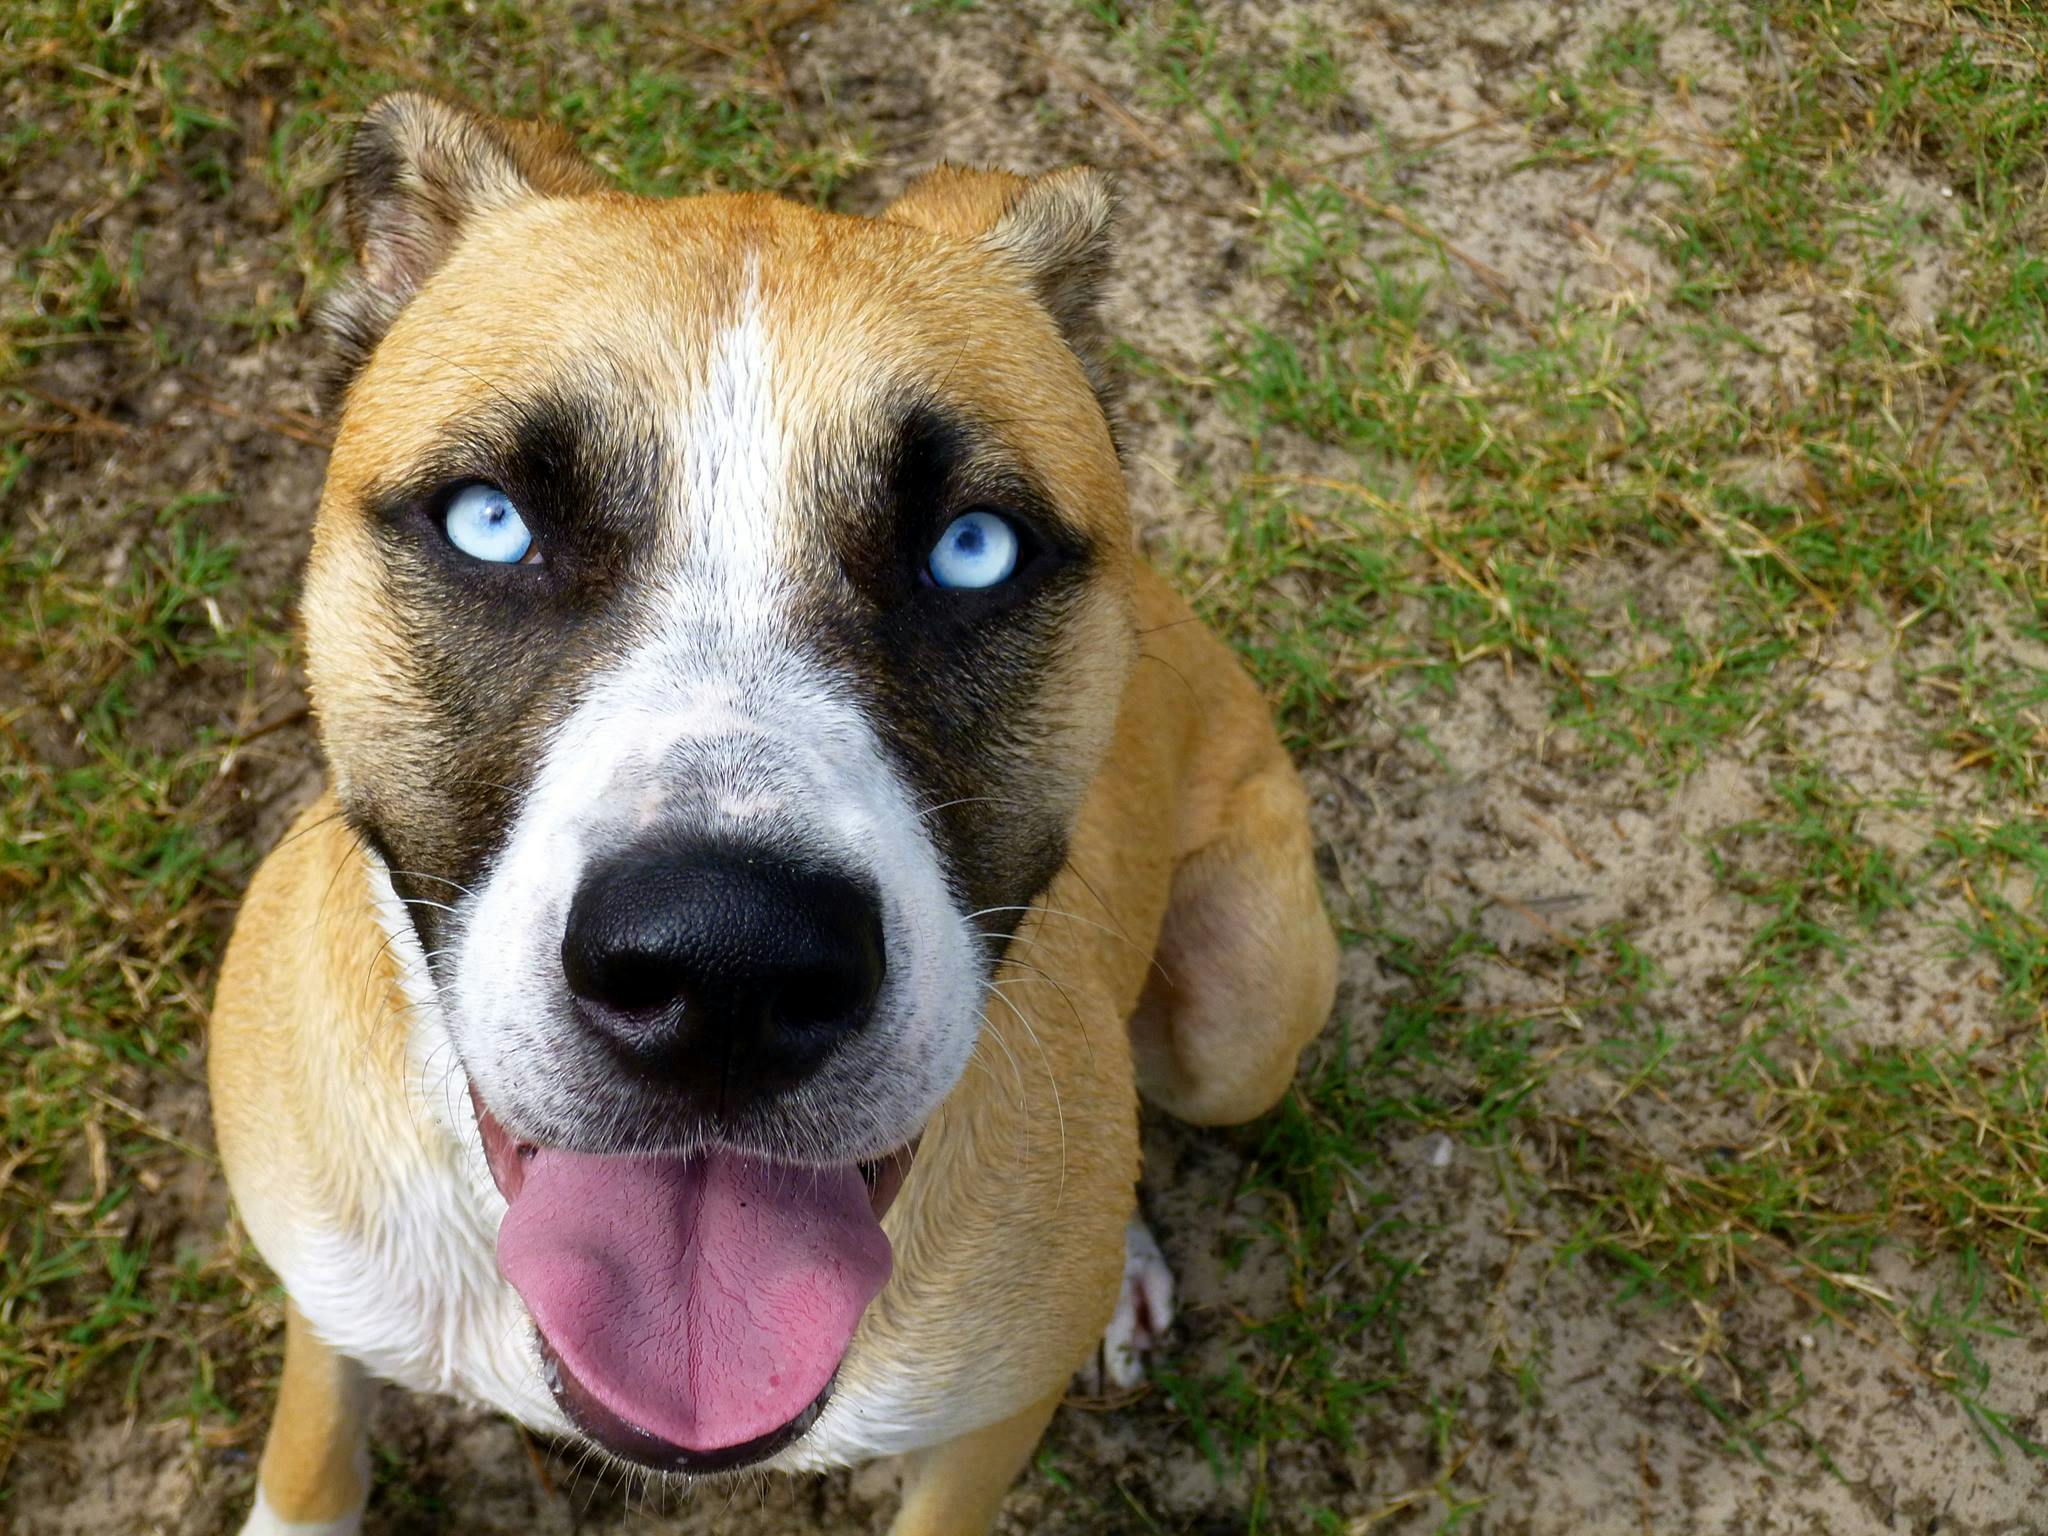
(735, 466)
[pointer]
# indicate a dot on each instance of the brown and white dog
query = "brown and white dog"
(776, 830)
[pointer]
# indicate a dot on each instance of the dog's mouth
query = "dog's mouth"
(693, 1310)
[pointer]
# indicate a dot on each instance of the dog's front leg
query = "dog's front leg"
(956, 1488)
(315, 1474)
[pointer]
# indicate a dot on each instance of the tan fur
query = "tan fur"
(1053, 232)
(1189, 908)
(312, 1470)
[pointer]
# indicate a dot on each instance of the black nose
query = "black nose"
(723, 971)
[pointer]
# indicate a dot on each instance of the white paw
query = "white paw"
(265, 1521)
(1144, 1311)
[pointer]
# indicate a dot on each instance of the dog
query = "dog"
(776, 828)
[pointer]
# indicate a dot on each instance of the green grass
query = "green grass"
(1492, 463)
(114, 895)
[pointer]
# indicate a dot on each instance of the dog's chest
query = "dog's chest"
(416, 1297)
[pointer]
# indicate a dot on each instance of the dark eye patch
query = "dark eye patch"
(955, 680)
(902, 489)
(584, 480)
(496, 653)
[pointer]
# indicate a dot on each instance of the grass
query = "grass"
(1435, 476)
(1763, 462)
(115, 892)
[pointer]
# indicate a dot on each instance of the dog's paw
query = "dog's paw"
(265, 1521)
(1144, 1311)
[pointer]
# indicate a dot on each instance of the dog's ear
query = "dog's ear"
(418, 170)
(1055, 231)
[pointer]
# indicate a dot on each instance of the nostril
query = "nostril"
(833, 995)
(810, 1003)
(617, 976)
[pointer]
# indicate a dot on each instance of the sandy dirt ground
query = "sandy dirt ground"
(1451, 810)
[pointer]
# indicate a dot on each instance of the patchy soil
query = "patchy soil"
(1527, 1388)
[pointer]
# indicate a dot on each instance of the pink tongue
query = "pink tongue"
(706, 1300)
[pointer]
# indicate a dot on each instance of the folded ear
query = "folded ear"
(418, 171)
(1055, 231)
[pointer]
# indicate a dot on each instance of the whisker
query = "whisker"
(995, 1034)
(419, 874)
(1145, 655)
(1060, 912)
(1076, 918)
(947, 805)
(1089, 886)
(422, 901)
(310, 828)
(1049, 910)
(1052, 981)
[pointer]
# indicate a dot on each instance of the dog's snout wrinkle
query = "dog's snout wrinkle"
(722, 971)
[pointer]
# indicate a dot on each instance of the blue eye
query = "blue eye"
(978, 549)
(483, 524)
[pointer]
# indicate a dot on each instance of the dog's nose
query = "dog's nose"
(722, 969)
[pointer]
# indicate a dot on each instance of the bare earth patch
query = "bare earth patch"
(1484, 386)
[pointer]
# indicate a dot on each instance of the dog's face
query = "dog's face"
(717, 612)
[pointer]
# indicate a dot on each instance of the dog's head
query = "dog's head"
(717, 612)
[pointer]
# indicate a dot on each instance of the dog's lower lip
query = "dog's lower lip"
(629, 1442)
